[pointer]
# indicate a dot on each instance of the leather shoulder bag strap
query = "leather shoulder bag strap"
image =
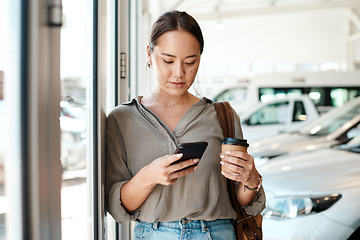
(226, 118)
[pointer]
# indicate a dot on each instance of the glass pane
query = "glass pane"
(273, 114)
(262, 67)
(3, 199)
(299, 113)
(285, 67)
(267, 94)
(235, 94)
(76, 77)
(332, 120)
(339, 96)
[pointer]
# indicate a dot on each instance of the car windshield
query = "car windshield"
(233, 94)
(332, 120)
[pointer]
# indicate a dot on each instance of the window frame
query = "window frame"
(33, 159)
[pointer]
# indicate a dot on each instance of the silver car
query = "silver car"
(335, 127)
(313, 195)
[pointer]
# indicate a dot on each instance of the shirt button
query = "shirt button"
(184, 221)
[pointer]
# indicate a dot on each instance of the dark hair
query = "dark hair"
(175, 20)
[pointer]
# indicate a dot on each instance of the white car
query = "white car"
(73, 124)
(73, 136)
(273, 117)
(335, 127)
(313, 195)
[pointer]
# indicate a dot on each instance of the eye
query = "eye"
(168, 62)
(190, 63)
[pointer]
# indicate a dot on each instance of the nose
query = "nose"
(179, 70)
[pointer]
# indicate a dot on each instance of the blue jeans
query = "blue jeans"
(185, 229)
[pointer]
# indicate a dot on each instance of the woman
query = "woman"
(172, 200)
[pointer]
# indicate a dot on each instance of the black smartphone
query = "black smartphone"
(191, 150)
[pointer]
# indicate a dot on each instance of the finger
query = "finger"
(183, 172)
(245, 169)
(168, 182)
(233, 160)
(184, 164)
(171, 182)
(232, 167)
(236, 178)
(171, 159)
(239, 154)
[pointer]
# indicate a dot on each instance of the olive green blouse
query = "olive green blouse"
(136, 137)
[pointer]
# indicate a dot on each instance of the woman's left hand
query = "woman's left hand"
(240, 163)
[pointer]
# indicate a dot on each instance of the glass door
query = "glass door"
(88, 76)
(3, 198)
(10, 114)
(32, 112)
(76, 72)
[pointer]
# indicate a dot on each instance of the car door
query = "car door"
(269, 120)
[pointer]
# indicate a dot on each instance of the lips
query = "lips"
(177, 84)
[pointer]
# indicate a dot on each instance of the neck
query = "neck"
(169, 100)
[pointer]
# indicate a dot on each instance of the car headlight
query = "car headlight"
(282, 208)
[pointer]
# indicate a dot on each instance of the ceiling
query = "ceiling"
(210, 9)
(346, 15)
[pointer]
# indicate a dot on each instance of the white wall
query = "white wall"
(313, 40)
(295, 37)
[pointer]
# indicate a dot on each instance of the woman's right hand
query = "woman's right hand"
(162, 171)
(134, 192)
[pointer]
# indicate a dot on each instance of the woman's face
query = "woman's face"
(175, 60)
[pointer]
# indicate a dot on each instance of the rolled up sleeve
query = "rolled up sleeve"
(257, 205)
(117, 172)
(115, 207)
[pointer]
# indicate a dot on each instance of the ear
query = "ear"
(148, 51)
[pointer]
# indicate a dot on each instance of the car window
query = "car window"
(299, 113)
(275, 113)
(267, 93)
(332, 120)
(234, 94)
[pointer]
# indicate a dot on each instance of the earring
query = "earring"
(149, 62)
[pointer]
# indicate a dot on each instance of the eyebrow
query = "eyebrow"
(170, 55)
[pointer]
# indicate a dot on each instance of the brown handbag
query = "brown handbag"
(246, 227)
